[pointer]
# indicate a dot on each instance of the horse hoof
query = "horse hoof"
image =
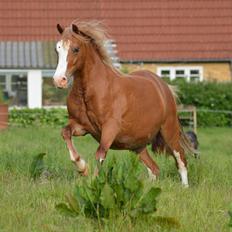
(84, 172)
(152, 176)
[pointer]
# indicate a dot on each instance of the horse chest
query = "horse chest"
(94, 120)
(77, 111)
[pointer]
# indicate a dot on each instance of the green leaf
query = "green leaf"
(169, 222)
(132, 183)
(107, 197)
(119, 193)
(119, 173)
(37, 166)
(65, 210)
(73, 203)
(148, 202)
(80, 195)
(230, 215)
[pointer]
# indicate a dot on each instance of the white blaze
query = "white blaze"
(182, 169)
(62, 50)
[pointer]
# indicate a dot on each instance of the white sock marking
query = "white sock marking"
(152, 177)
(72, 156)
(81, 164)
(182, 169)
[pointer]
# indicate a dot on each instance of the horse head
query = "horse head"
(71, 51)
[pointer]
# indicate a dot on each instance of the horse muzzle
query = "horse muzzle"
(61, 82)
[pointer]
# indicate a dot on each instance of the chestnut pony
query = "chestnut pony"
(120, 111)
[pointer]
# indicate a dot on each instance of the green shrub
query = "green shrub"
(112, 192)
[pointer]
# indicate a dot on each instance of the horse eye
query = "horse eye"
(75, 50)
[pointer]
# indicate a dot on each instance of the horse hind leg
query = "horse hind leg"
(152, 167)
(171, 132)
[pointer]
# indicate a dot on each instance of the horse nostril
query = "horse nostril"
(64, 78)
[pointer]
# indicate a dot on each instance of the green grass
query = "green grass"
(27, 205)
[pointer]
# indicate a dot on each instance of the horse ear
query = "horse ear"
(75, 29)
(59, 28)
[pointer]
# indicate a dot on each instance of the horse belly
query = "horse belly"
(133, 142)
(139, 128)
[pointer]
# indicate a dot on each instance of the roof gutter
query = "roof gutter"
(171, 61)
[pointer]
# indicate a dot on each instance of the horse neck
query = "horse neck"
(94, 73)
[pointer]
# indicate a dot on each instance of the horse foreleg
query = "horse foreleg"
(67, 133)
(109, 132)
(152, 167)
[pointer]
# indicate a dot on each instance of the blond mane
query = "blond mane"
(97, 31)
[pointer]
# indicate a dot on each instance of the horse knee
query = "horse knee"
(66, 133)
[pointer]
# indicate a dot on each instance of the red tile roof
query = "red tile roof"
(148, 30)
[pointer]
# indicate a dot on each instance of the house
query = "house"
(189, 39)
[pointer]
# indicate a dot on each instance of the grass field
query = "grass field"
(27, 205)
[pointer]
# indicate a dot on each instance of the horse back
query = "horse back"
(166, 91)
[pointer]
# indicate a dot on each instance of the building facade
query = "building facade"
(188, 39)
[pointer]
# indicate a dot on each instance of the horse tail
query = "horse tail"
(184, 140)
(174, 91)
(158, 144)
(186, 144)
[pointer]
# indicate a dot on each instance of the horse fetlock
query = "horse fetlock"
(184, 176)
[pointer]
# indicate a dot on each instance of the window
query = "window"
(190, 73)
(194, 75)
(165, 73)
(180, 73)
(14, 87)
(51, 95)
(2, 82)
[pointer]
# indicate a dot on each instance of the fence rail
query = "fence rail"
(190, 114)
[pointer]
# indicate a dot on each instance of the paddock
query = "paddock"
(29, 205)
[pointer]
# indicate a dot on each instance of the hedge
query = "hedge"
(213, 101)
(27, 117)
(205, 96)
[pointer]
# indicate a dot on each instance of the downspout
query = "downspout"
(231, 70)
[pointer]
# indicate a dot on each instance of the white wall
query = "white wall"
(34, 88)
